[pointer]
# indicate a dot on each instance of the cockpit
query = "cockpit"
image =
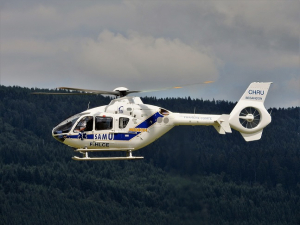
(85, 123)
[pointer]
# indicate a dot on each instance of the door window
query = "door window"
(103, 123)
(123, 121)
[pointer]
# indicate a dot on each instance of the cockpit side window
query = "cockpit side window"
(85, 124)
(103, 123)
(123, 121)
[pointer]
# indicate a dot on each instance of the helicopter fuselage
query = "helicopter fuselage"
(125, 124)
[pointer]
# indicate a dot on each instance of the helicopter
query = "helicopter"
(126, 124)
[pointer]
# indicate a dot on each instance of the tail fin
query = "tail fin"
(250, 116)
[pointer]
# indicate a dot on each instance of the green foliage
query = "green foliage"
(191, 175)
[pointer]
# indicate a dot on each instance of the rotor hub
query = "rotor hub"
(122, 90)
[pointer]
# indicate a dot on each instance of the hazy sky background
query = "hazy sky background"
(153, 44)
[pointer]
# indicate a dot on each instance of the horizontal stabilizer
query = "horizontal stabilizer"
(222, 125)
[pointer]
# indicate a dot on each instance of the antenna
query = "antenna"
(89, 105)
(271, 111)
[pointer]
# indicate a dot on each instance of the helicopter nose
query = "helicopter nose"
(58, 135)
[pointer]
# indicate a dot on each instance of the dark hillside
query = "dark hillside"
(192, 175)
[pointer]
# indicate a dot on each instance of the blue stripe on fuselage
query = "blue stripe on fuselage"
(150, 121)
(124, 136)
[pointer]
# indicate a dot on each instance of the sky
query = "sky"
(145, 45)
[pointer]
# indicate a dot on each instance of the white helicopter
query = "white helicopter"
(127, 124)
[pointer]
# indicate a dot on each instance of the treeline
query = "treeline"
(191, 175)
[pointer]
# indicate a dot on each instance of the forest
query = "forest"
(191, 175)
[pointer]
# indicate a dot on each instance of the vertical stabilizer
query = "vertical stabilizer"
(250, 116)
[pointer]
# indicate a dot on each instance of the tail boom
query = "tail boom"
(219, 122)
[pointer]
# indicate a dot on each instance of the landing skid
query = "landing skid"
(87, 158)
(106, 158)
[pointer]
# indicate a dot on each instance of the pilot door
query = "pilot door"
(84, 128)
(83, 131)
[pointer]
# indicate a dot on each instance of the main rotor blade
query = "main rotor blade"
(56, 93)
(129, 92)
(80, 91)
(91, 91)
(177, 87)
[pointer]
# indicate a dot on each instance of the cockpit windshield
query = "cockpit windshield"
(65, 126)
